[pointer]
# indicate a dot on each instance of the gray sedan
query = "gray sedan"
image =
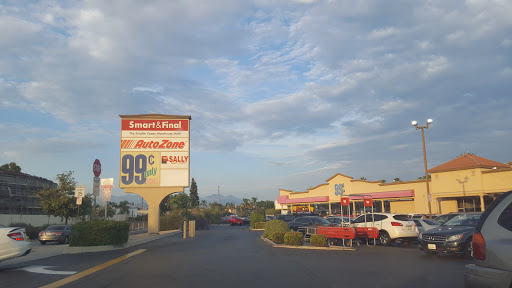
(55, 233)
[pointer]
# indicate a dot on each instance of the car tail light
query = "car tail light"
(478, 246)
(396, 224)
(16, 236)
(57, 233)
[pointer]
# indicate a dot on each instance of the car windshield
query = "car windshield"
(431, 222)
(401, 217)
(318, 220)
(463, 220)
(56, 228)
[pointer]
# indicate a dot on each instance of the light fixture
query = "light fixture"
(414, 123)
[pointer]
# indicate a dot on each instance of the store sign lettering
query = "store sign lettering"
(339, 189)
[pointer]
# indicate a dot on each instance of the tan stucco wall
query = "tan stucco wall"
(402, 207)
(442, 185)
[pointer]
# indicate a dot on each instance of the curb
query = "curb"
(133, 242)
(336, 248)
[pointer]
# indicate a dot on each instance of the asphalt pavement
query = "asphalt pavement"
(236, 256)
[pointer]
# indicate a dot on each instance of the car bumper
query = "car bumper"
(448, 247)
(478, 276)
(50, 238)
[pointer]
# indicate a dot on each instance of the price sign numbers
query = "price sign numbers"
(139, 169)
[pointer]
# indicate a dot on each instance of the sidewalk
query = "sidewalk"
(44, 251)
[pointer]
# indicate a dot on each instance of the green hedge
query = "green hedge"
(172, 221)
(294, 238)
(259, 225)
(318, 240)
(98, 233)
(257, 217)
(278, 237)
(273, 226)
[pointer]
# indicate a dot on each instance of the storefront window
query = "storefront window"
(335, 208)
(321, 209)
(377, 206)
(387, 206)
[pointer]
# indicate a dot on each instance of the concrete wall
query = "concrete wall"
(40, 220)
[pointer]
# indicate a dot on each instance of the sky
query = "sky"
(282, 94)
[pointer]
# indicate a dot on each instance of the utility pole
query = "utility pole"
(218, 193)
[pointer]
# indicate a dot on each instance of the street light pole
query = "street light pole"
(429, 196)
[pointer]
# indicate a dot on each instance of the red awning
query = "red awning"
(286, 199)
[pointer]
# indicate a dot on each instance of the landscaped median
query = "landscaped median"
(101, 235)
(277, 234)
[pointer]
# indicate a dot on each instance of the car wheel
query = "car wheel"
(384, 238)
(42, 242)
(468, 249)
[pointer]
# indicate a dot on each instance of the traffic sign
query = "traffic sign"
(79, 201)
(105, 196)
(107, 183)
(96, 187)
(79, 191)
(96, 168)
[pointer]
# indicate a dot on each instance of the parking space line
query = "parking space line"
(89, 271)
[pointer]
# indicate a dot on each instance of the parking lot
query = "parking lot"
(237, 256)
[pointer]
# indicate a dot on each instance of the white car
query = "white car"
(426, 224)
(391, 226)
(13, 242)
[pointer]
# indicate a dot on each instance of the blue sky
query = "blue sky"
(282, 94)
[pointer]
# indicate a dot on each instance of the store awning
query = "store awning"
(286, 199)
(384, 195)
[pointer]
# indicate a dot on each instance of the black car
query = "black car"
(454, 237)
(285, 217)
(302, 223)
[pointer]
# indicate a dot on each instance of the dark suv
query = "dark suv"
(455, 236)
(302, 223)
(285, 217)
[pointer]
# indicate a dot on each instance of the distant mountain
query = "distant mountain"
(223, 199)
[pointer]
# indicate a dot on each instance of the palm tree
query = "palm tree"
(123, 207)
(204, 204)
(362, 178)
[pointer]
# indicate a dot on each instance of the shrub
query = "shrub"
(273, 226)
(255, 218)
(294, 238)
(259, 225)
(318, 240)
(99, 232)
(278, 237)
(172, 221)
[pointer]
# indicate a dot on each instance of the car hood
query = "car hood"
(449, 230)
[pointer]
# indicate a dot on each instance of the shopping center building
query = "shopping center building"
(466, 183)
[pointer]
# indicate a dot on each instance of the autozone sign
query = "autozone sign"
(155, 151)
(153, 144)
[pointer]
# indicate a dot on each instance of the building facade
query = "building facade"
(18, 193)
(466, 183)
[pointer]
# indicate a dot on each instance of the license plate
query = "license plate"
(432, 246)
(409, 227)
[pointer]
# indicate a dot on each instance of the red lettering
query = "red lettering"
(162, 146)
(139, 144)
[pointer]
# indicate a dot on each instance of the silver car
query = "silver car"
(492, 247)
(55, 233)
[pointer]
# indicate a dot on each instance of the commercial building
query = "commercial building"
(466, 183)
(18, 193)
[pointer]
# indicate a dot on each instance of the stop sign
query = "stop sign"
(96, 168)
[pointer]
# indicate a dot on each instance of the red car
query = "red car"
(233, 220)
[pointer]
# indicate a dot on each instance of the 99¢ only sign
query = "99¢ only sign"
(155, 151)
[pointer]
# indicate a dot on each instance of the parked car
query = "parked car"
(302, 223)
(55, 233)
(392, 227)
(338, 220)
(285, 217)
(13, 242)
(454, 236)
(233, 220)
(445, 217)
(269, 217)
(246, 220)
(491, 247)
(426, 224)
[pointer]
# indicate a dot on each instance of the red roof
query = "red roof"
(468, 161)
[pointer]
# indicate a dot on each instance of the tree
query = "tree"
(124, 207)
(178, 201)
(362, 178)
(11, 167)
(60, 201)
(268, 204)
(423, 177)
(194, 197)
(204, 204)
(396, 180)
(253, 202)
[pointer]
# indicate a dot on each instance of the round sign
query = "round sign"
(96, 168)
